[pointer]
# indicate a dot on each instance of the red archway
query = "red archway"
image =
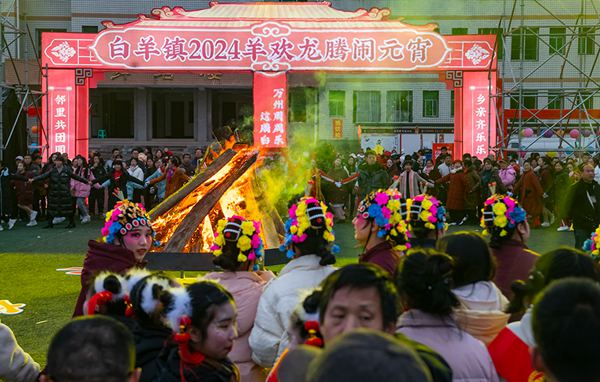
(269, 40)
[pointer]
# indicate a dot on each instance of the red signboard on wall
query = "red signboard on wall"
(60, 124)
(437, 149)
(270, 110)
(479, 115)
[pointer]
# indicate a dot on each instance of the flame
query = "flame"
(239, 199)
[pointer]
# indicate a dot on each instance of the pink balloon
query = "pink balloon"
(574, 133)
(528, 132)
(586, 133)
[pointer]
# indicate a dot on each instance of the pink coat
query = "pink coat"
(467, 356)
(246, 288)
(508, 176)
(81, 190)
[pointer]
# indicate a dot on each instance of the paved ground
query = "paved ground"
(60, 240)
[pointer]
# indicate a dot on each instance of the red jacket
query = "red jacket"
(103, 257)
(383, 255)
(514, 261)
(456, 191)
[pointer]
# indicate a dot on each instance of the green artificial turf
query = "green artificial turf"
(50, 296)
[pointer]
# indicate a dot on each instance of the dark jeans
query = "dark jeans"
(96, 198)
(581, 235)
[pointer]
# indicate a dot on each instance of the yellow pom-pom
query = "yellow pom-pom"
(500, 221)
(424, 215)
(499, 208)
(242, 258)
(426, 204)
(247, 228)
(217, 253)
(244, 243)
(503, 233)
(429, 226)
(293, 229)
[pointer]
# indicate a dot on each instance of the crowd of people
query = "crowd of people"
(63, 187)
(420, 305)
(561, 193)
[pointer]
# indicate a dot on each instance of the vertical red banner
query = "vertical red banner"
(59, 120)
(338, 128)
(270, 109)
(479, 114)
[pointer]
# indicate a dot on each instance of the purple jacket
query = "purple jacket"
(467, 356)
(508, 176)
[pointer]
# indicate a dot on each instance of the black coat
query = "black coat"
(120, 183)
(585, 215)
(60, 201)
(149, 342)
(372, 178)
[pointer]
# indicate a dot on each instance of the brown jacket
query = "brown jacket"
(177, 181)
(456, 191)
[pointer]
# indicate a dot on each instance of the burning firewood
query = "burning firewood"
(197, 180)
(194, 218)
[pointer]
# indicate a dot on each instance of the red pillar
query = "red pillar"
(270, 109)
(458, 123)
(58, 112)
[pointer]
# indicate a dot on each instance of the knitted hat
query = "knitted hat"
(126, 216)
(388, 209)
(308, 214)
(501, 214)
(246, 235)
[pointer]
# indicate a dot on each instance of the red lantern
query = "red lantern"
(32, 111)
(34, 129)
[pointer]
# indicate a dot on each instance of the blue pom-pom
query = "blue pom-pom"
(290, 254)
(587, 245)
(283, 247)
(335, 249)
(381, 233)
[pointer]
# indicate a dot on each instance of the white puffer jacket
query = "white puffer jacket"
(15, 364)
(269, 337)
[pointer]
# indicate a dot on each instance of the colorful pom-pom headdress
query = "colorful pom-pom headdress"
(125, 217)
(427, 210)
(246, 235)
(501, 214)
(592, 244)
(308, 214)
(388, 210)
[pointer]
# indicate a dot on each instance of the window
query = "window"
(558, 38)
(39, 36)
(586, 41)
(452, 103)
(499, 39)
(528, 37)
(89, 28)
(172, 113)
(431, 103)
(399, 106)
(298, 103)
(556, 100)
(529, 101)
(337, 103)
(111, 114)
(367, 106)
(460, 31)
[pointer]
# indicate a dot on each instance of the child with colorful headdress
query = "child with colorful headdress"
(127, 236)
(426, 220)
(309, 242)
(238, 250)
(506, 224)
(380, 227)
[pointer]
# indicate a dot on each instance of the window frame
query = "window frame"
(435, 108)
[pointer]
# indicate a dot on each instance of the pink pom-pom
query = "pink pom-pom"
(432, 219)
(433, 210)
(510, 204)
(255, 242)
(252, 256)
(104, 231)
(292, 211)
(386, 212)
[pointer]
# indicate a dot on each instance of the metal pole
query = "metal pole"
(2, 90)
